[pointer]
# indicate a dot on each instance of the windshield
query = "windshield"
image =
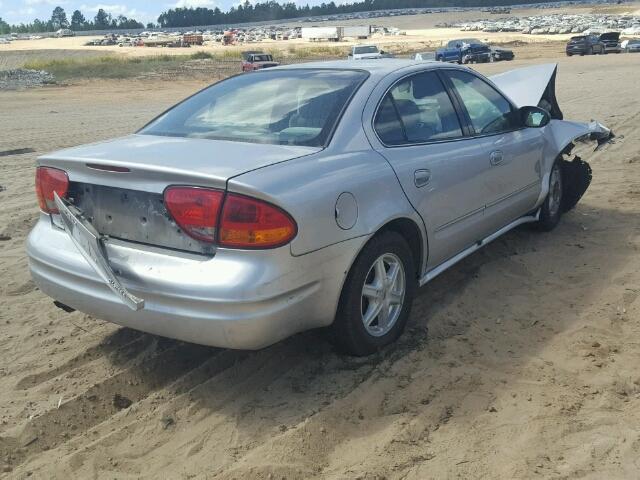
(289, 107)
(367, 49)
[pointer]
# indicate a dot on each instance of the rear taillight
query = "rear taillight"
(49, 180)
(234, 221)
(195, 210)
(249, 223)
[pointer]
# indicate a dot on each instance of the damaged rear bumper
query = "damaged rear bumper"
(236, 299)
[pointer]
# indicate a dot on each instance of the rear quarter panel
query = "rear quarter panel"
(308, 189)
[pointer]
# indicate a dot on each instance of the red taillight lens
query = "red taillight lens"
(249, 223)
(195, 210)
(49, 180)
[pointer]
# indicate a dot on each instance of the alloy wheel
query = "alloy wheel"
(555, 191)
(383, 294)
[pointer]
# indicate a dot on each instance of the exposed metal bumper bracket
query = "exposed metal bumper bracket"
(89, 243)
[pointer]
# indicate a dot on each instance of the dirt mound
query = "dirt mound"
(23, 78)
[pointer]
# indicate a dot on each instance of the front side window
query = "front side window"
(288, 107)
(417, 110)
(488, 110)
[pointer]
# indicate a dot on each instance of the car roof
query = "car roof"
(377, 67)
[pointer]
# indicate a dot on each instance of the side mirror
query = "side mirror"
(534, 117)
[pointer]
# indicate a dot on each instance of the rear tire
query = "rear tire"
(376, 298)
(551, 209)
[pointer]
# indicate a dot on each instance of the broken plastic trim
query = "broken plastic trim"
(601, 134)
(576, 178)
(64, 307)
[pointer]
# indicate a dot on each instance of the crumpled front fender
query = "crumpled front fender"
(561, 133)
(562, 136)
(536, 86)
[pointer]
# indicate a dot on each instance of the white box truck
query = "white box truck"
(359, 32)
(316, 34)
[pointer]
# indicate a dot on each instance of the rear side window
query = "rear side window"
(488, 110)
(417, 110)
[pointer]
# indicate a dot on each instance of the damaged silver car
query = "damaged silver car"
(299, 197)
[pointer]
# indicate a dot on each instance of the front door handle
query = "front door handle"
(421, 177)
(496, 158)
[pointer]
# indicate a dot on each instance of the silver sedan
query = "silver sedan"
(316, 195)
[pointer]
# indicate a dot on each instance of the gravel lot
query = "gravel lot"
(520, 362)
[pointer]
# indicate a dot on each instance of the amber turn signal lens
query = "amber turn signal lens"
(250, 223)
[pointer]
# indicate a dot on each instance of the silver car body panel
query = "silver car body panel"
(525, 86)
(250, 299)
(157, 161)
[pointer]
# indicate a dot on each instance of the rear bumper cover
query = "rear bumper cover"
(237, 299)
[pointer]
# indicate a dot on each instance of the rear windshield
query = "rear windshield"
(262, 58)
(366, 49)
(290, 107)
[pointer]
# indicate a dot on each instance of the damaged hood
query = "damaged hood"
(531, 86)
(536, 86)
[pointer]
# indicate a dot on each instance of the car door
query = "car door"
(512, 152)
(421, 135)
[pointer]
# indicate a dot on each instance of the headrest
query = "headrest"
(424, 86)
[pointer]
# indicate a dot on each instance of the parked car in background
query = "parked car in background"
(252, 61)
(466, 50)
(585, 45)
(499, 54)
(315, 195)
(365, 52)
(64, 32)
(631, 46)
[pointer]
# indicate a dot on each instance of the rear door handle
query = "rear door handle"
(421, 177)
(496, 158)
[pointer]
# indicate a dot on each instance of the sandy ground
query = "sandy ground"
(520, 362)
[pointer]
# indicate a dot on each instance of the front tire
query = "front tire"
(377, 295)
(551, 209)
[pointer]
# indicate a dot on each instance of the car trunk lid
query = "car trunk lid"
(150, 162)
(118, 185)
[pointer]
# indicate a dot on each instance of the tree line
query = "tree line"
(244, 12)
(273, 10)
(78, 22)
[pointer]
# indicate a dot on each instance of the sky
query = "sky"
(18, 11)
